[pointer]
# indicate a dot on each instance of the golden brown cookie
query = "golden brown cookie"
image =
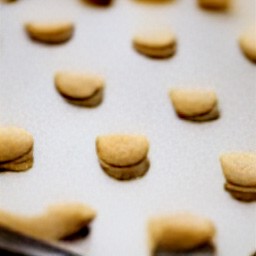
(239, 169)
(58, 222)
(52, 33)
(79, 88)
(17, 167)
(241, 193)
(195, 104)
(160, 43)
(8, 1)
(247, 43)
(123, 156)
(179, 232)
(214, 4)
(16, 149)
(153, 1)
(99, 2)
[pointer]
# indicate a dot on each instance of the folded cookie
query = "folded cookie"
(79, 88)
(99, 2)
(50, 32)
(239, 169)
(16, 149)
(195, 104)
(8, 1)
(58, 222)
(153, 1)
(247, 43)
(123, 156)
(160, 43)
(214, 4)
(179, 232)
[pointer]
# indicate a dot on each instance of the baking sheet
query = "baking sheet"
(185, 173)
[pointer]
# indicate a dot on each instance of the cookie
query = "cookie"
(51, 33)
(100, 2)
(58, 222)
(79, 88)
(247, 43)
(214, 4)
(153, 1)
(239, 169)
(241, 193)
(123, 156)
(17, 167)
(195, 104)
(160, 43)
(179, 232)
(16, 149)
(8, 1)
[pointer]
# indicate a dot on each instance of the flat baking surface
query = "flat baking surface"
(185, 172)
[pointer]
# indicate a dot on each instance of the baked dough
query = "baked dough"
(241, 193)
(8, 1)
(247, 43)
(99, 2)
(123, 156)
(153, 1)
(239, 169)
(214, 4)
(179, 232)
(16, 149)
(52, 33)
(58, 222)
(195, 104)
(79, 88)
(160, 43)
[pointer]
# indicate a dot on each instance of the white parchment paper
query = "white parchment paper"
(185, 173)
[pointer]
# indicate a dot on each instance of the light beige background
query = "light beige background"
(185, 173)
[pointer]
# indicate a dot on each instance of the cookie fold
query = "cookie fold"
(239, 169)
(123, 156)
(58, 222)
(80, 88)
(179, 232)
(99, 2)
(214, 4)
(50, 32)
(195, 104)
(16, 149)
(247, 42)
(159, 43)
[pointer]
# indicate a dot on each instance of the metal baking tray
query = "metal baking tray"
(185, 172)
